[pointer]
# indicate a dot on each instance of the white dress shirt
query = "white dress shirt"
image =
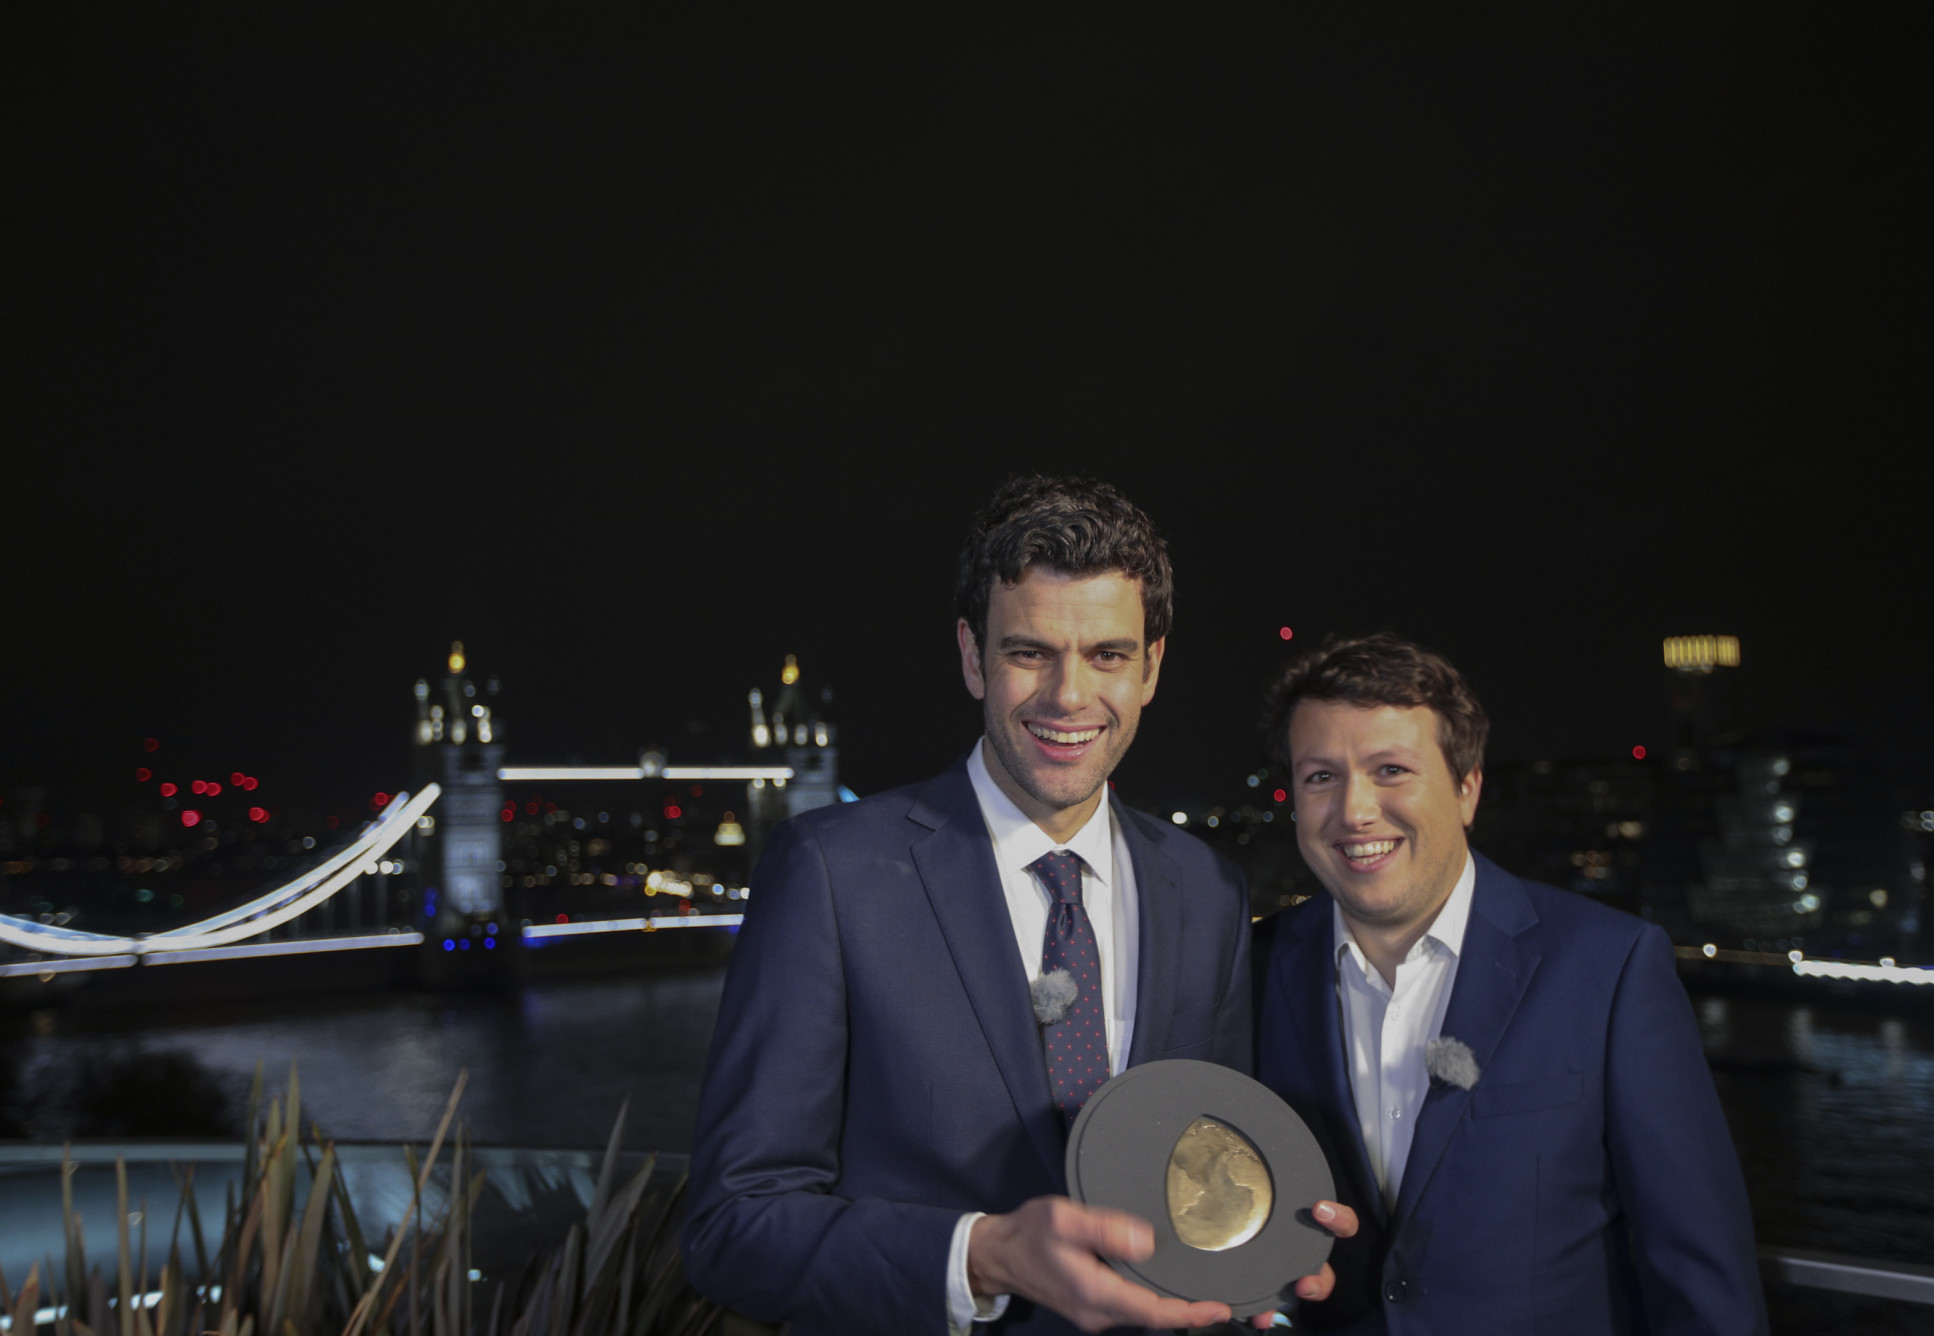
(1385, 1028)
(1108, 894)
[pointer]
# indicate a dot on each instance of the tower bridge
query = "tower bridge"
(448, 838)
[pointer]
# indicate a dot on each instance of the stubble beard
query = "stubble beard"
(1008, 752)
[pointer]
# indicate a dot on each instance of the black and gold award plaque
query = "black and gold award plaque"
(1222, 1169)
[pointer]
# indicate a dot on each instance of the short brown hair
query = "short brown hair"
(1381, 669)
(1070, 526)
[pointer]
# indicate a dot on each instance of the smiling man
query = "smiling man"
(930, 982)
(1507, 1078)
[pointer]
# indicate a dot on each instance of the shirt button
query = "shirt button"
(1396, 1291)
(1396, 1111)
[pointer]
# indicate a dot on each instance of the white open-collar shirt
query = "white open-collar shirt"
(1385, 1028)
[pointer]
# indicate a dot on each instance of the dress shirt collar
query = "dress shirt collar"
(1018, 841)
(1445, 931)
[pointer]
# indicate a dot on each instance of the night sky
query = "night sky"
(638, 357)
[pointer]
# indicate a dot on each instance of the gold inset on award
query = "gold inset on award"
(1219, 1192)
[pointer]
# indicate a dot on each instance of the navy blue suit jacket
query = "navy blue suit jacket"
(877, 1068)
(1587, 1183)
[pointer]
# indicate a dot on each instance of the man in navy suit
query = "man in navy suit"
(880, 1137)
(1507, 1078)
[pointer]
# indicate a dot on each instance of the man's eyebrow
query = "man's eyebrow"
(1381, 754)
(1118, 645)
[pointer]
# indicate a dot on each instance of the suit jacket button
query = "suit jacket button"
(1396, 1291)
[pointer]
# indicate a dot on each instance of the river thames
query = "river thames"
(1830, 1106)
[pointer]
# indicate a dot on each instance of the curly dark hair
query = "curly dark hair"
(1381, 669)
(1071, 526)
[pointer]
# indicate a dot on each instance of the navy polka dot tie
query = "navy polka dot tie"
(1077, 1044)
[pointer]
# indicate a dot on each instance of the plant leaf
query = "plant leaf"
(202, 1273)
(71, 1230)
(124, 1282)
(309, 1247)
(607, 1172)
(252, 1130)
(27, 1303)
(168, 1306)
(360, 1317)
(567, 1286)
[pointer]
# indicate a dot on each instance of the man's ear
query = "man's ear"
(1152, 667)
(1467, 791)
(970, 664)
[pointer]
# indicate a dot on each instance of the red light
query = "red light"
(530, 809)
(673, 812)
(142, 774)
(1638, 753)
(258, 814)
(1279, 795)
(381, 800)
(169, 790)
(237, 778)
(191, 817)
(563, 918)
(249, 782)
(550, 807)
(150, 744)
(331, 822)
(1287, 634)
(213, 788)
(198, 787)
(698, 790)
(507, 813)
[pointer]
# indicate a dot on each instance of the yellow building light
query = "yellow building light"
(456, 656)
(1701, 654)
(790, 673)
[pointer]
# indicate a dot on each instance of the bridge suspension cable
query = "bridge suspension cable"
(249, 920)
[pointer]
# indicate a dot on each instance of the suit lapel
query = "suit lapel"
(956, 865)
(1493, 971)
(1307, 981)
(1158, 957)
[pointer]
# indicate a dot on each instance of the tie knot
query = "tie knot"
(1060, 872)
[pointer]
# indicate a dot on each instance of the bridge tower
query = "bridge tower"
(460, 744)
(798, 728)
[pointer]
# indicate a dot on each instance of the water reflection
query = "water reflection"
(547, 1068)
(1829, 1111)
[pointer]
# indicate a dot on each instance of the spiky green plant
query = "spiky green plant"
(282, 1271)
(617, 1274)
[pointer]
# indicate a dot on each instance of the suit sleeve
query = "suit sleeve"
(767, 1235)
(1235, 1009)
(1673, 1160)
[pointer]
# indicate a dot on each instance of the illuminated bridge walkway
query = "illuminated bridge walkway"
(241, 932)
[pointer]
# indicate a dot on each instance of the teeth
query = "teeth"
(1047, 734)
(1369, 849)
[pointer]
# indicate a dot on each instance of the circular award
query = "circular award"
(1222, 1169)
